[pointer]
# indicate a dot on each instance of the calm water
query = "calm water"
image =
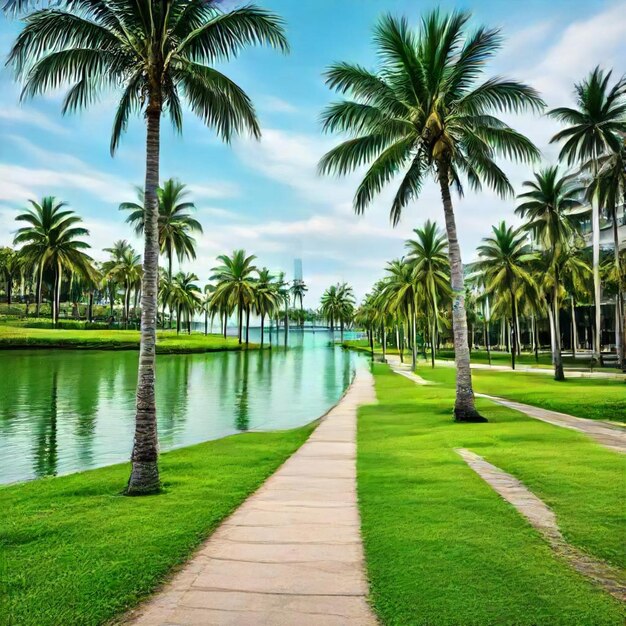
(63, 411)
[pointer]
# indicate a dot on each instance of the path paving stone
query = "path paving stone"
(543, 519)
(612, 436)
(609, 435)
(291, 555)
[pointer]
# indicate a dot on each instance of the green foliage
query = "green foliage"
(443, 548)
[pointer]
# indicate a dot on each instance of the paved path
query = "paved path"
(529, 369)
(291, 554)
(543, 519)
(404, 369)
(609, 435)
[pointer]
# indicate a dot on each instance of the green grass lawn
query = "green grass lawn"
(76, 552)
(168, 342)
(442, 548)
(594, 398)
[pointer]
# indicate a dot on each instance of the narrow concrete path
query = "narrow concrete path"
(605, 433)
(405, 369)
(292, 553)
(609, 435)
(543, 519)
(529, 369)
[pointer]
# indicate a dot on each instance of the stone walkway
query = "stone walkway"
(543, 519)
(292, 553)
(609, 435)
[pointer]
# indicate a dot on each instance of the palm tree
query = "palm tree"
(550, 209)
(595, 127)
(235, 283)
(10, 266)
(504, 262)
(608, 189)
(266, 298)
(175, 222)
(185, 298)
(337, 306)
(298, 289)
(154, 52)
(425, 113)
(428, 257)
(50, 242)
(400, 288)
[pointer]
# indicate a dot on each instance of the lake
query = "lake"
(63, 411)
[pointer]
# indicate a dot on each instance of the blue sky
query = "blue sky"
(267, 196)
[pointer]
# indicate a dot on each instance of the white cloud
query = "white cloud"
(30, 117)
(213, 190)
(273, 104)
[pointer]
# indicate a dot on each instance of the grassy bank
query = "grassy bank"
(168, 342)
(594, 398)
(76, 552)
(443, 548)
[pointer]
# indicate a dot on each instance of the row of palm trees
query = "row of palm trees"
(527, 273)
(423, 113)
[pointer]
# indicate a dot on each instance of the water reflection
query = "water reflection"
(69, 410)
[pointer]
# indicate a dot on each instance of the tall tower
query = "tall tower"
(297, 270)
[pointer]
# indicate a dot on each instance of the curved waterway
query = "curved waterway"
(63, 411)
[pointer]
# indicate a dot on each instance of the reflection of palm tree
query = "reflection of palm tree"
(173, 396)
(330, 374)
(46, 453)
(242, 414)
(87, 396)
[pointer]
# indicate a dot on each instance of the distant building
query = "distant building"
(297, 270)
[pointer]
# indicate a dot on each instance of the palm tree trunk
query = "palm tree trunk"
(514, 338)
(384, 344)
(206, 323)
(536, 340)
(558, 359)
(574, 329)
(487, 344)
(39, 289)
(595, 225)
(464, 406)
(240, 330)
(413, 340)
(247, 326)
(433, 335)
(178, 320)
(518, 334)
(263, 328)
(90, 307)
(144, 477)
(620, 340)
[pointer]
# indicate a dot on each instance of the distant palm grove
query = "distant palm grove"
(426, 113)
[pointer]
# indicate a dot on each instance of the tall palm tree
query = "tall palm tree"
(337, 306)
(504, 262)
(608, 189)
(266, 299)
(400, 288)
(235, 283)
(549, 208)
(425, 113)
(175, 222)
(154, 52)
(11, 264)
(185, 298)
(428, 256)
(596, 126)
(298, 289)
(50, 242)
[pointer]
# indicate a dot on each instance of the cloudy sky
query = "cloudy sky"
(267, 197)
